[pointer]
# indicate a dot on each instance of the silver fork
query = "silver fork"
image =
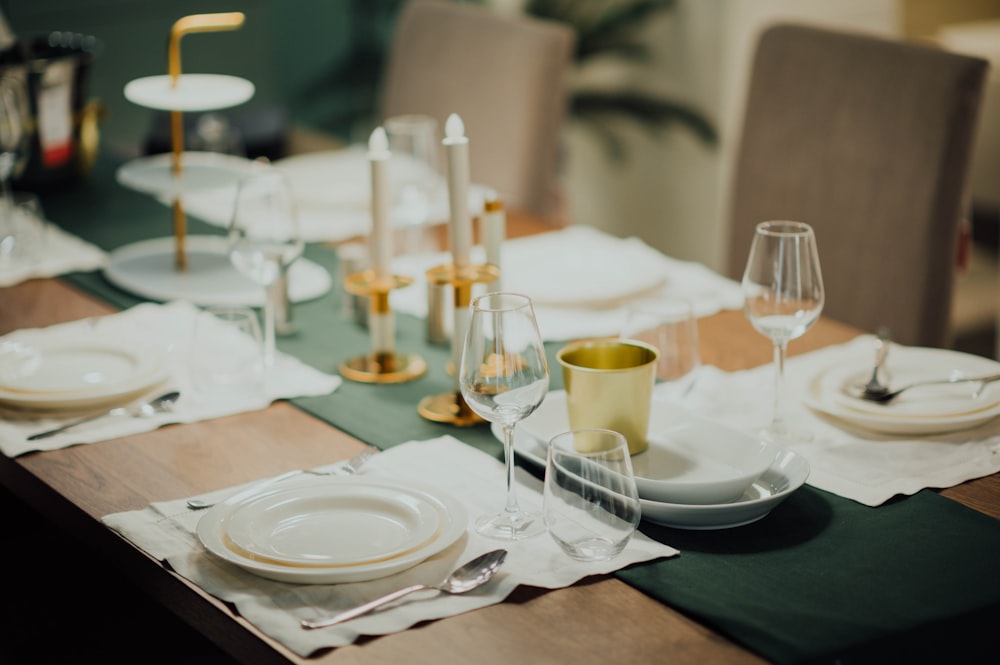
(348, 468)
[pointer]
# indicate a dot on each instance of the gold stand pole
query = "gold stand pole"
(380, 366)
(451, 407)
(183, 26)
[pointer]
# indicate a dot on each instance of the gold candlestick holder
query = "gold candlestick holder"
(380, 366)
(451, 407)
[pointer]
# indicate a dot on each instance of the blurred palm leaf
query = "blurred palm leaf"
(611, 28)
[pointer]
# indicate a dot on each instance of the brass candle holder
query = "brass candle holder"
(451, 407)
(382, 365)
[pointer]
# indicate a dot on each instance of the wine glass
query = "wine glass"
(14, 133)
(14, 136)
(504, 377)
(264, 240)
(783, 297)
(670, 325)
(416, 182)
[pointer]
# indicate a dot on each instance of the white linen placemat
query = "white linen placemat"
(580, 279)
(170, 327)
(61, 253)
(166, 531)
(869, 468)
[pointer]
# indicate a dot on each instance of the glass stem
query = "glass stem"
(270, 310)
(778, 422)
(508, 456)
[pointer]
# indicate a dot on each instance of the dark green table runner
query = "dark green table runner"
(820, 579)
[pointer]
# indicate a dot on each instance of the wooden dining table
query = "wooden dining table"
(596, 621)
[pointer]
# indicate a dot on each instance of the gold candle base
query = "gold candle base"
(380, 366)
(451, 407)
(384, 368)
(448, 408)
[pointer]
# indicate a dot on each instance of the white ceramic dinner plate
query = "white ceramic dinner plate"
(689, 460)
(579, 266)
(190, 92)
(62, 369)
(925, 410)
(787, 473)
(333, 530)
(306, 526)
(147, 268)
(200, 171)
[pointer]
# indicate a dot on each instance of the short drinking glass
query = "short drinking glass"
(591, 504)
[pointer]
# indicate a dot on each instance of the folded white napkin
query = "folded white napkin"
(167, 531)
(60, 253)
(170, 329)
(580, 279)
(869, 468)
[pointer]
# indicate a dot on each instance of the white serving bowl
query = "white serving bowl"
(693, 460)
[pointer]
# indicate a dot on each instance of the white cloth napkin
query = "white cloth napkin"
(869, 468)
(580, 280)
(167, 531)
(60, 253)
(169, 327)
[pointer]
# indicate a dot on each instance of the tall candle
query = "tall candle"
(456, 146)
(380, 247)
(380, 319)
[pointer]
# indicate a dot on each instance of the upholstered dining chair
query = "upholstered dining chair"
(868, 140)
(506, 76)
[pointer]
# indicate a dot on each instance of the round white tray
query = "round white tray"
(193, 92)
(200, 172)
(147, 269)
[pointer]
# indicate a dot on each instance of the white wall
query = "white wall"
(671, 191)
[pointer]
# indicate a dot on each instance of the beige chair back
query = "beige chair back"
(506, 76)
(869, 141)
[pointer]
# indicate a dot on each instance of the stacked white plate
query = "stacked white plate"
(696, 474)
(332, 530)
(59, 370)
(920, 411)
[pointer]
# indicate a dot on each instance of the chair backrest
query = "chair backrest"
(868, 140)
(506, 76)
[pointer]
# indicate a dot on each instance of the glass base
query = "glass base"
(785, 434)
(510, 525)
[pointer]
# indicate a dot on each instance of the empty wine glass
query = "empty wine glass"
(670, 325)
(14, 134)
(264, 240)
(504, 377)
(416, 182)
(783, 297)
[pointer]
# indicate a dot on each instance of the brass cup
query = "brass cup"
(609, 385)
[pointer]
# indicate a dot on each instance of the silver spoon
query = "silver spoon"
(886, 397)
(159, 404)
(472, 575)
(875, 387)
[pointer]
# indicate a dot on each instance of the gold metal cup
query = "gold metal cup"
(609, 385)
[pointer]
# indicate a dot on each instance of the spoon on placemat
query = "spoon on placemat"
(470, 576)
(159, 404)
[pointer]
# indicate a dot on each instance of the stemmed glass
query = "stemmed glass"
(14, 138)
(416, 182)
(504, 377)
(783, 297)
(264, 240)
(13, 128)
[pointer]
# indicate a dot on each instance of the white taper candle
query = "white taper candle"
(381, 246)
(456, 146)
